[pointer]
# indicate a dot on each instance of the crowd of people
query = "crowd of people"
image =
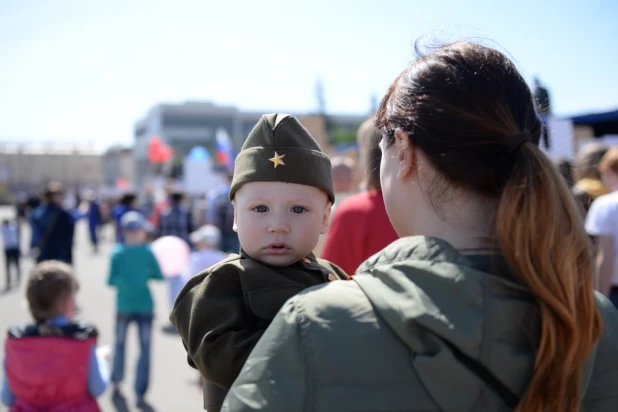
(52, 286)
(467, 273)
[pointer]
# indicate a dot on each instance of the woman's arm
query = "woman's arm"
(275, 376)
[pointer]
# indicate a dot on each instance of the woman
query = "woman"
(485, 303)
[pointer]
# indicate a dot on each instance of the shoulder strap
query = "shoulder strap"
(508, 397)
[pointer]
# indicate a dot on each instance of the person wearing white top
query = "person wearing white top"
(10, 239)
(602, 222)
(206, 240)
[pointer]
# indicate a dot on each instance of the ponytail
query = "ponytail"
(541, 234)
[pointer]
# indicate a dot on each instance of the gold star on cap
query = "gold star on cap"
(277, 160)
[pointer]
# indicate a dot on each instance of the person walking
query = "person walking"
(92, 211)
(485, 303)
(602, 224)
(53, 228)
(12, 254)
(124, 206)
(175, 220)
(132, 266)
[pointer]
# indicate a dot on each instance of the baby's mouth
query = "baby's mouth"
(277, 248)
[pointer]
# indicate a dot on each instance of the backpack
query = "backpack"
(224, 214)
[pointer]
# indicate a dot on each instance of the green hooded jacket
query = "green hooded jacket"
(420, 328)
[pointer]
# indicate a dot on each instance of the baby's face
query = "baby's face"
(280, 223)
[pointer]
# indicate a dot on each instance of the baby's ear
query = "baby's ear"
(234, 226)
(326, 218)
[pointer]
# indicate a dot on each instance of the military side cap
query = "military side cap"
(280, 149)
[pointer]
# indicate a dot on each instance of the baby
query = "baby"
(282, 195)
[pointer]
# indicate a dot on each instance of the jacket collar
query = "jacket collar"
(421, 248)
(309, 261)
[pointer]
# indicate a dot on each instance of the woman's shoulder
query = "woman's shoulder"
(339, 300)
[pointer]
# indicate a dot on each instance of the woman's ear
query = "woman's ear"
(326, 218)
(405, 154)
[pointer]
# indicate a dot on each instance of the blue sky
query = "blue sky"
(74, 70)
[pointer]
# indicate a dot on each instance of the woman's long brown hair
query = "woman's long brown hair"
(542, 238)
(466, 107)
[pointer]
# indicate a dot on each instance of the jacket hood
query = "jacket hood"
(433, 298)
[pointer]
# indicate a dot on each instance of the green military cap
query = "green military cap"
(280, 149)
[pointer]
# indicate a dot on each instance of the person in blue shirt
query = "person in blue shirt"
(44, 372)
(133, 265)
(93, 214)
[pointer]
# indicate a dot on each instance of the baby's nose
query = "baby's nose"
(279, 225)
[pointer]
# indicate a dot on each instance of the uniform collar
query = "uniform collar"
(308, 261)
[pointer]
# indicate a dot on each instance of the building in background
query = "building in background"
(117, 165)
(184, 126)
(26, 167)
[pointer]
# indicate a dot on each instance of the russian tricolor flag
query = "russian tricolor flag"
(225, 150)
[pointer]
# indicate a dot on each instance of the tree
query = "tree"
(342, 136)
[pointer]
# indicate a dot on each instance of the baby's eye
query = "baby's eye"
(298, 209)
(261, 209)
